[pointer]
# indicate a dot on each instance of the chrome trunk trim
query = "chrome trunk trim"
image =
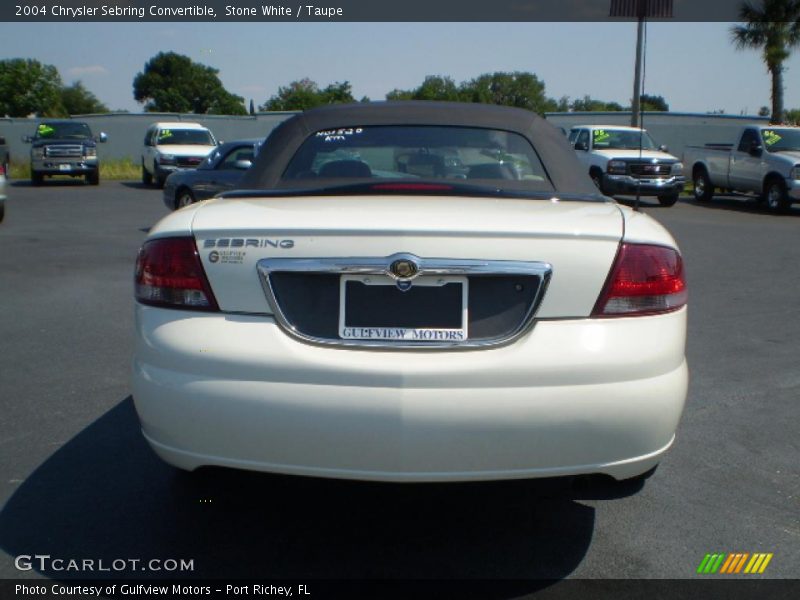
(383, 266)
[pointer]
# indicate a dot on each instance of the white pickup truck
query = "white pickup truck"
(765, 161)
(626, 160)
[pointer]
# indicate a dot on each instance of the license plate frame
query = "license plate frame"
(388, 333)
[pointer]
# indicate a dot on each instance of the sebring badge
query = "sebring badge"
(403, 270)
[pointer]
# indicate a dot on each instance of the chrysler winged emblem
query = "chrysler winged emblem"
(403, 270)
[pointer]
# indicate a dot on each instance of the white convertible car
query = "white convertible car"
(411, 292)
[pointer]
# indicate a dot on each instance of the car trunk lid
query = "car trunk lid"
(579, 240)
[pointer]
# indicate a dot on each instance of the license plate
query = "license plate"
(65, 167)
(433, 309)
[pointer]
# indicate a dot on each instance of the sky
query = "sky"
(693, 66)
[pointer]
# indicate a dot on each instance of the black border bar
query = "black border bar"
(703, 588)
(104, 11)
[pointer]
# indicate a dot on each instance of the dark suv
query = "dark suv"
(64, 148)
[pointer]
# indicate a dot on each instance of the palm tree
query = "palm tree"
(775, 29)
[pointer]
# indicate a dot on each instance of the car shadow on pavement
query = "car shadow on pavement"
(56, 183)
(138, 185)
(105, 495)
(742, 204)
(645, 202)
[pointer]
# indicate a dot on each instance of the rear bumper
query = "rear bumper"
(571, 397)
(625, 184)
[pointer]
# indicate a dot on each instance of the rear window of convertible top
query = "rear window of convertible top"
(400, 152)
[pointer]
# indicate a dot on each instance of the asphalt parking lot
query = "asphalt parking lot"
(78, 481)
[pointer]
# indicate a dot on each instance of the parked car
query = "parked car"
(5, 157)
(327, 321)
(170, 147)
(626, 160)
(765, 161)
(220, 171)
(64, 147)
(2, 193)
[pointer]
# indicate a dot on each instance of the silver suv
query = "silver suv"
(170, 147)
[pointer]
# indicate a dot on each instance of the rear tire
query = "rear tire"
(36, 178)
(147, 178)
(668, 199)
(776, 197)
(703, 188)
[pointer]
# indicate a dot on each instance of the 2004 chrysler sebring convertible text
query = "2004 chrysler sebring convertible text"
(411, 292)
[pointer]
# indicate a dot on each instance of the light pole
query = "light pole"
(637, 75)
(641, 10)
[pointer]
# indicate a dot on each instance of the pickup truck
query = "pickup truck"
(765, 161)
(626, 160)
(64, 148)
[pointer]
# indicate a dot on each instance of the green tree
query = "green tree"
(519, 89)
(172, 82)
(793, 116)
(562, 105)
(434, 87)
(77, 100)
(305, 94)
(338, 93)
(29, 87)
(773, 28)
(653, 103)
(398, 94)
(589, 104)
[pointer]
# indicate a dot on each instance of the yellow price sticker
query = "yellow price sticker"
(770, 137)
(600, 135)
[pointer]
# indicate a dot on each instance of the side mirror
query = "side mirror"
(755, 149)
(581, 146)
(103, 137)
(27, 139)
(220, 142)
(663, 148)
(243, 164)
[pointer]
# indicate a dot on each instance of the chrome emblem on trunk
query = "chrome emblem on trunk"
(403, 270)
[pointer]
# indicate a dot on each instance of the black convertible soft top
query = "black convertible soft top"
(555, 153)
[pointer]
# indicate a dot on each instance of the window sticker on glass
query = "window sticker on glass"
(164, 134)
(45, 130)
(770, 137)
(600, 136)
(339, 135)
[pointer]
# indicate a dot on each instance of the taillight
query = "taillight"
(644, 280)
(169, 273)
